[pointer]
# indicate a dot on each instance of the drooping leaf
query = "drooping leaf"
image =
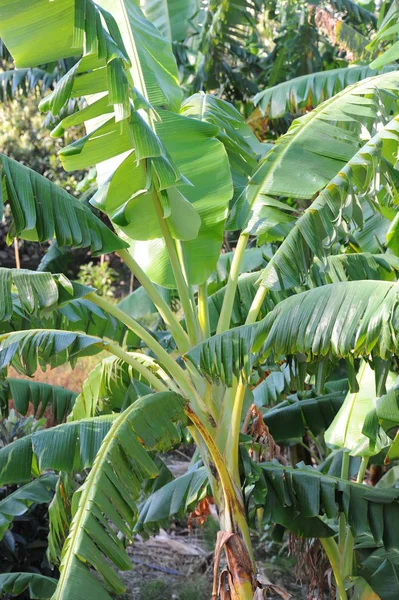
(26, 350)
(175, 498)
(66, 447)
(310, 90)
(37, 291)
(42, 210)
(42, 396)
(310, 494)
(340, 319)
(119, 469)
(292, 418)
(80, 315)
(25, 80)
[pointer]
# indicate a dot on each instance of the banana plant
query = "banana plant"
(173, 178)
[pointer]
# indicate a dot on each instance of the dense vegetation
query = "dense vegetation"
(245, 158)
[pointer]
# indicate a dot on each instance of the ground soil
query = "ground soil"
(178, 565)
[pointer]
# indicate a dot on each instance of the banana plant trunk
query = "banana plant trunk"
(238, 580)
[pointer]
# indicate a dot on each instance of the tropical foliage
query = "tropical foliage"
(291, 337)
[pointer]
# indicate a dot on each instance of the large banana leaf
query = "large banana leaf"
(153, 70)
(310, 90)
(42, 210)
(185, 140)
(318, 145)
(19, 502)
(196, 152)
(309, 494)
(69, 28)
(24, 392)
(39, 586)
(107, 498)
(171, 17)
(177, 150)
(315, 230)
(37, 31)
(37, 291)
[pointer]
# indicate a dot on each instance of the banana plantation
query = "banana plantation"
(236, 162)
